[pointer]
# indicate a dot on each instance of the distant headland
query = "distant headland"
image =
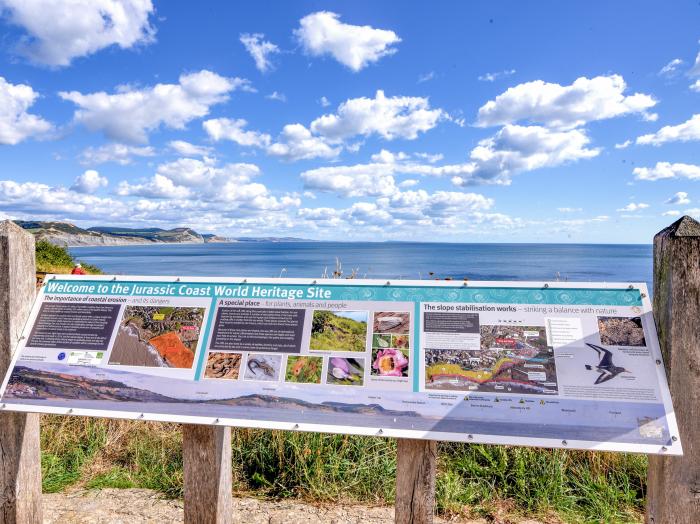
(66, 234)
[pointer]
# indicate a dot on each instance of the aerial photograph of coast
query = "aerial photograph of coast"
(157, 337)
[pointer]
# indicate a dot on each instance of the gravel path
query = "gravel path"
(141, 506)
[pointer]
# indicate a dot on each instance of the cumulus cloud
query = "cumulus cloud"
(184, 148)
(680, 198)
(685, 132)
(515, 149)
(389, 117)
(36, 199)
(121, 154)
(296, 142)
(89, 182)
(554, 105)
(232, 129)
(623, 145)
(324, 101)
(261, 50)
(352, 181)
(495, 160)
(671, 213)
(695, 86)
(129, 114)
(58, 32)
(632, 206)
(492, 77)
(158, 186)
(354, 46)
(667, 170)
(16, 124)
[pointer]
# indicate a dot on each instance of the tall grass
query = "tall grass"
(472, 480)
(51, 258)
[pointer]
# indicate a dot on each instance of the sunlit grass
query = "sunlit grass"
(478, 480)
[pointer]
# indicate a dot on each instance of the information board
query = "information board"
(527, 363)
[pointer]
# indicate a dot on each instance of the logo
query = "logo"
(61, 356)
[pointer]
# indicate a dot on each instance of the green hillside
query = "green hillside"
(337, 333)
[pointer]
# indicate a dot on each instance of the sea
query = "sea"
(380, 260)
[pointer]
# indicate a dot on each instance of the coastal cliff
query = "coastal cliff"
(68, 235)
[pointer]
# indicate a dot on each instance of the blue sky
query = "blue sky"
(454, 121)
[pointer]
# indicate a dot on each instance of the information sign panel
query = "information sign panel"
(527, 363)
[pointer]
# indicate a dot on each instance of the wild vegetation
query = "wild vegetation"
(51, 258)
(474, 480)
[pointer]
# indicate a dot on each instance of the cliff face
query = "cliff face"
(68, 235)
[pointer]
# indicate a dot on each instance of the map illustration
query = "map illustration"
(512, 359)
(157, 337)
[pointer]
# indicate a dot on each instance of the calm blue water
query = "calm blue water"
(573, 262)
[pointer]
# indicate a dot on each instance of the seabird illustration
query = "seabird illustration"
(605, 367)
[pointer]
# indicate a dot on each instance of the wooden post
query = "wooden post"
(415, 481)
(208, 476)
(674, 482)
(20, 456)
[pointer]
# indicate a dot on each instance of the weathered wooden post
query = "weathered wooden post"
(20, 458)
(208, 476)
(415, 481)
(674, 482)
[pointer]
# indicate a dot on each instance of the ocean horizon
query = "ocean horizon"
(395, 260)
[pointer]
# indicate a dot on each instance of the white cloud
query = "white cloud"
(409, 182)
(36, 199)
(492, 77)
(389, 117)
(430, 157)
(695, 70)
(694, 212)
(296, 142)
(352, 181)
(324, 101)
(261, 50)
(554, 105)
(184, 148)
(158, 186)
(515, 149)
(354, 46)
(131, 113)
(89, 182)
(632, 206)
(623, 145)
(680, 198)
(280, 97)
(695, 86)
(205, 173)
(671, 69)
(685, 132)
(121, 154)
(667, 170)
(16, 124)
(569, 209)
(671, 213)
(58, 32)
(232, 129)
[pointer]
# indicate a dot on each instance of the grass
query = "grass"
(51, 258)
(333, 332)
(473, 480)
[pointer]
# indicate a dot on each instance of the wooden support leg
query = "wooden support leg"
(20, 457)
(208, 476)
(415, 481)
(674, 482)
